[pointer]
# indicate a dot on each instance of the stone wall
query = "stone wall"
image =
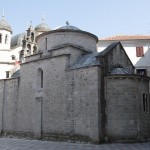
(84, 102)
(117, 56)
(64, 108)
(124, 103)
(9, 94)
(54, 38)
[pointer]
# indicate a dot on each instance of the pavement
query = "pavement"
(23, 144)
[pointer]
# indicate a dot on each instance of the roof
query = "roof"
(67, 27)
(5, 25)
(17, 39)
(42, 27)
(16, 74)
(126, 38)
(121, 71)
(86, 60)
(107, 49)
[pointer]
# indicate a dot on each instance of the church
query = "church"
(61, 88)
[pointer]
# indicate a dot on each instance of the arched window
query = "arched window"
(46, 43)
(29, 46)
(32, 36)
(29, 49)
(6, 39)
(40, 78)
(34, 49)
(0, 38)
(146, 104)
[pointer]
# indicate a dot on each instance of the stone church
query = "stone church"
(66, 90)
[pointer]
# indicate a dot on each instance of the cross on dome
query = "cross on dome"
(67, 23)
(43, 18)
(3, 15)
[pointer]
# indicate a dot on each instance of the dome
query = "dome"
(120, 71)
(42, 27)
(17, 39)
(67, 27)
(5, 25)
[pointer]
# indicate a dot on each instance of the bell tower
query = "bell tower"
(29, 46)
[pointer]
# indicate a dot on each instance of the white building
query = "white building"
(137, 48)
(7, 58)
(10, 48)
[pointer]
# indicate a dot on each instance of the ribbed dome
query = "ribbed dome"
(42, 27)
(67, 27)
(5, 25)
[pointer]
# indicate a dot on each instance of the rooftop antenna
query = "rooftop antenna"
(3, 15)
(67, 23)
(43, 18)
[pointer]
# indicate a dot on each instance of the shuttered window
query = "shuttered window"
(0, 38)
(139, 52)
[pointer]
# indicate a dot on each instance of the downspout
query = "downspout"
(103, 101)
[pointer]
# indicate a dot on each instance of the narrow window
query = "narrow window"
(32, 36)
(139, 52)
(145, 103)
(0, 38)
(6, 39)
(29, 49)
(40, 78)
(46, 43)
(34, 49)
(7, 74)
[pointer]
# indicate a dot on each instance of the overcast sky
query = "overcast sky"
(101, 17)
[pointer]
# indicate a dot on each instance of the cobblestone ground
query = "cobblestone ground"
(21, 144)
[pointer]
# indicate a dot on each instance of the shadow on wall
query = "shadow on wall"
(145, 60)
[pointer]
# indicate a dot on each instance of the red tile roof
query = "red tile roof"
(126, 37)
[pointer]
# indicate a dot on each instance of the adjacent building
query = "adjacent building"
(137, 48)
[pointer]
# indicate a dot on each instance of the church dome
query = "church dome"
(5, 25)
(17, 40)
(67, 27)
(42, 27)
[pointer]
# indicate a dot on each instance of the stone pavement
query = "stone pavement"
(22, 144)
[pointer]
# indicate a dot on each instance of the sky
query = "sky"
(103, 18)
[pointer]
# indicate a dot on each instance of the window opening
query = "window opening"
(139, 52)
(7, 74)
(46, 43)
(0, 38)
(145, 103)
(40, 78)
(6, 39)
(141, 72)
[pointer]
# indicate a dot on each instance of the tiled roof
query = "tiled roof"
(126, 37)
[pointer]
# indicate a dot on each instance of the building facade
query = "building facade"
(67, 90)
(137, 49)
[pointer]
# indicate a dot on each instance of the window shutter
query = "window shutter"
(139, 51)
